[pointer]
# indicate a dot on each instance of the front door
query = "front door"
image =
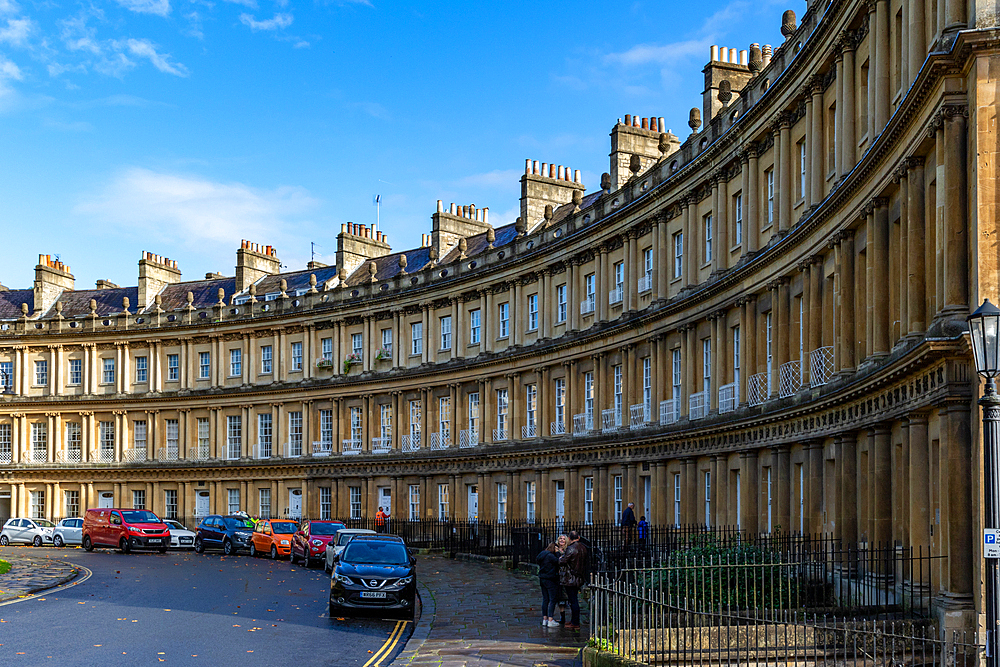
(647, 497)
(295, 503)
(201, 504)
(385, 499)
(473, 502)
(560, 501)
(106, 499)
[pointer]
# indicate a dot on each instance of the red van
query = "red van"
(124, 529)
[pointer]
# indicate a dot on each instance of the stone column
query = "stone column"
(956, 213)
(846, 109)
(717, 249)
(956, 505)
(780, 488)
(919, 482)
(785, 191)
(690, 250)
(814, 499)
(847, 474)
(751, 202)
(848, 333)
(916, 280)
(818, 154)
(880, 70)
(917, 46)
(880, 486)
(879, 259)
(602, 284)
(720, 489)
(572, 300)
(838, 120)
(750, 491)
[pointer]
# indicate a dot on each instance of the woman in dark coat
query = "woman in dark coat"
(548, 579)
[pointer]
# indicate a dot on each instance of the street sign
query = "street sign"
(991, 543)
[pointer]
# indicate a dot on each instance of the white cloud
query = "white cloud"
(252, 4)
(16, 31)
(279, 22)
(9, 71)
(662, 54)
(157, 7)
(498, 178)
(143, 48)
(9, 7)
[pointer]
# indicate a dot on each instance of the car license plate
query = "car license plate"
(154, 540)
(372, 594)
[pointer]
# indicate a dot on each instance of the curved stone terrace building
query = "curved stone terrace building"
(761, 325)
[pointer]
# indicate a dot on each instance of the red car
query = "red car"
(309, 542)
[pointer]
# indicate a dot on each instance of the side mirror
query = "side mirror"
(413, 561)
(411, 550)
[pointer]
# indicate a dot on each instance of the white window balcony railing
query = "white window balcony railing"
(293, 450)
(587, 305)
(322, 448)
(138, 455)
(615, 295)
(72, 455)
(106, 456)
(757, 389)
(697, 405)
(670, 411)
(611, 420)
(233, 451)
(37, 456)
(162, 454)
(6, 456)
(637, 416)
(529, 431)
(583, 424)
(557, 428)
(645, 283)
(410, 442)
(789, 378)
(468, 438)
(381, 445)
(265, 451)
(199, 453)
(499, 434)
(820, 366)
(441, 440)
(729, 397)
(350, 447)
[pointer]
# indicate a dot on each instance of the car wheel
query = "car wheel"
(291, 555)
(253, 550)
(37, 542)
(326, 565)
(336, 610)
(4, 541)
(123, 545)
(305, 560)
(58, 541)
(274, 552)
(199, 546)
(162, 550)
(228, 548)
(87, 544)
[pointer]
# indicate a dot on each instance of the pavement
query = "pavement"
(32, 573)
(481, 615)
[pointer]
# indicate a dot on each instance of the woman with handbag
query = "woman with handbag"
(573, 575)
(548, 579)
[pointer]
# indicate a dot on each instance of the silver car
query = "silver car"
(180, 537)
(336, 545)
(26, 531)
(68, 531)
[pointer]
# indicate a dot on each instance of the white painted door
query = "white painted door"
(295, 503)
(647, 498)
(201, 504)
(385, 499)
(473, 502)
(560, 500)
(106, 499)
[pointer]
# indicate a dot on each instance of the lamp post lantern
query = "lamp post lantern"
(985, 326)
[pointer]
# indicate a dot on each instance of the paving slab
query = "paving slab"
(32, 573)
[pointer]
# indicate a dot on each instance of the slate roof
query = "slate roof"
(10, 303)
(109, 302)
(206, 293)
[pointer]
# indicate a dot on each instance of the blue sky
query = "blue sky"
(181, 126)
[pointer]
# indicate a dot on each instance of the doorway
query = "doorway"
(473, 502)
(647, 497)
(294, 503)
(202, 504)
(560, 502)
(385, 499)
(106, 499)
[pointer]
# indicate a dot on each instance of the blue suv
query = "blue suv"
(231, 534)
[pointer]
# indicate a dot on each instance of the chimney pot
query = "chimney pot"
(713, 53)
(576, 176)
(440, 206)
(527, 166)
(552, 171)
(534, 167)
(628, 119)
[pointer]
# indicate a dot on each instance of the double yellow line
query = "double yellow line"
(389, 646)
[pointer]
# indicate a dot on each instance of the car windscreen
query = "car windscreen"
(233, 522)
(173, 525)
(376, 553)
(45, 524)
(284, 527)
(139, 516)
(344, 538)
(324, 528)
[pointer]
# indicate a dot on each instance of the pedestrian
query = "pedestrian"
(548, 579)
(643, 530)
(380, 518)
(561, 542)
(573, 574)
(627, 523)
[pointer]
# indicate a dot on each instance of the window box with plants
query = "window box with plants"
(383, 354)
(324, 363)
(353, 359)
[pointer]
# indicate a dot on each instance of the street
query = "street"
(142, 609)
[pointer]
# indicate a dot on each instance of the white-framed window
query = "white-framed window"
(618, 495)
(295, 433)
(387, 340)
(75, 373)
(677, 499)
(588, 500)
(618, 394)
(707, 234)
(769, 175)
(355, 499)
(264, 434)
(532, 312)
(647, 388)
(529, 501)
(531, 406)
(266, 360)
(39, 438)
(802, 169)
(501, 502)
(204, 365)
(445, 332)
(108, 376)
(619, 269)
(768, 357)
(678, 254)
(234, 436)
(326, 427)
(738, 209)
(675, 372)
(297, 356)
(138, 499)
(37, 504)
(233, 500)
(708, 499)
(444, 494)
(7, 373)
(357, 343)
(326, 348)
(417, 338)
(706, 367)
(502, 410)
(588, 398)
(74, 439)
(561, 402)
(414, 417)
(590, 286)
(802, 343)
(356, 424)
(42, 373)
(172, 429)
(7, 444)
(385, 423)
(736, 356)
(444, 417)
(325, 503)
(647, 266)
(802, 497)
(235, 362)
(475, 318)
(562, 308)
(141, 368)
(264, 503)
(71, 500)
(173, 368)
(503, 312)
(139, 435)
(414, 502)
(770, 525)
(204, 432)
(169, 504)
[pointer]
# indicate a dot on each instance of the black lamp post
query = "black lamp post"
(985, 327)
(5, 383)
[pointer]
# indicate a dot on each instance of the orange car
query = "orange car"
(273, 537)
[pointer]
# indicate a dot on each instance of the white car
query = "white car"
(180, 537)
(68, 531)
(335, 546)
(27, 531)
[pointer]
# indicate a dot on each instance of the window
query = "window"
(767, 328)
(75, 371)
(325, 503)
(444, 418)
(678, 254)
(588, 500)
(204, 431)
(443, 494)
(736, 359)
(588, 398)
(647, 388)
(173, 367)
(108, 376)
(296, 356)
(474, 326)
(675, 372)
(501, 414)
(42, 373)
(802, 169)
(142, 369)
(769, 525)
(264, 503)
(6, 443)
(769, 175)
(266, 360)
(590, 285)
(355, 495)
(387, 340)
(560, 406)
(139, 435)
(295, 433)
(72, 502)
(357, 343)
(326, 347)
(708, 499)
(474, 414)
(561, 308)
(7, 373)
(326, 428)
(204, 365)
(530, 408)
(172, 428)
(415, 419)
(234, 436)
(618, 394)
(501, 502)
(677, 499)
(235, 362)
(417, 338)
(234, 500)
(618, 496)
(706, 368)
(74, 441)
(707, 233)
(619, 292)
(37, 504)
(647, 270)
(264, 435)
(445, 332)
(169, 504)
(532, 312)
(504, 317)
(414, 502)
(355, 425)
(529, 501)
(738, 206)
(139, 499)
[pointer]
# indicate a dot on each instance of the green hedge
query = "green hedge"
(4, 566)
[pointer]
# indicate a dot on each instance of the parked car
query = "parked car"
(68, 531)
(273, 537)
(180, 536)
(373, 573)
(126, 529)
(229, 533)
(26, 531)
(334, 547)
(309, 542)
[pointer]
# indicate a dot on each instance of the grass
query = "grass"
(4, 566)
